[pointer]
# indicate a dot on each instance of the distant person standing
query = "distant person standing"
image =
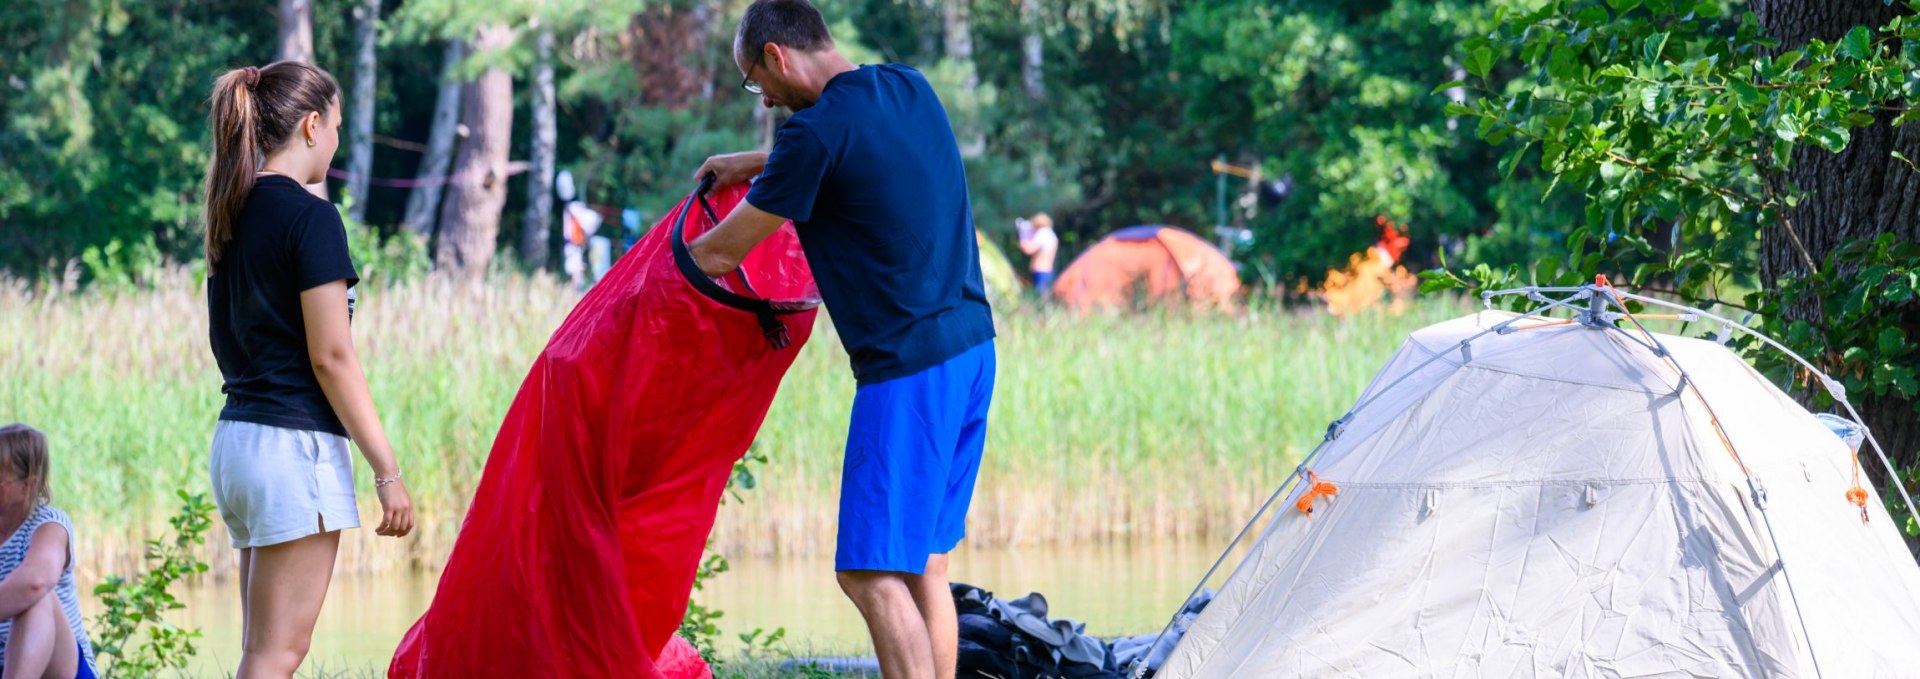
(1041, 244)
(868, 170)
(280, 308)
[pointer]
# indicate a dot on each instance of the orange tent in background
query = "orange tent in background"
(1148, 265)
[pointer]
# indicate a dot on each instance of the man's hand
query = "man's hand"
(732, 168)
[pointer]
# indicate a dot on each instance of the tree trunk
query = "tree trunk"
(424, 200)
(957, 21)
(360, 157)
(1859, 193)
(470, 221)
(704, 15)
(664, 46)
(768, 120)
(1033, 78)
(930, 40)
(296, 30)
(1032, 75)
(537, 235)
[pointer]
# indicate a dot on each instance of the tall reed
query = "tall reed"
(1103, 428)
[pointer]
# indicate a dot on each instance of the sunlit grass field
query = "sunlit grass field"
(1103, 427)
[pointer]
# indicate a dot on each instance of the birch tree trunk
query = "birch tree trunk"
(423, 202)
(365, 68)
(536, 238)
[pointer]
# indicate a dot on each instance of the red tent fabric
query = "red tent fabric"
(577, 556)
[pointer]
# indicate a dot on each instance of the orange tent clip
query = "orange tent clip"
(1858, 494)
(1315, 489)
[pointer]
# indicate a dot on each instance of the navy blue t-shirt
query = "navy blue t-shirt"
(285, 241)
(871, 177)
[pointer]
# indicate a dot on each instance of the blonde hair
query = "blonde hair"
(23, 450)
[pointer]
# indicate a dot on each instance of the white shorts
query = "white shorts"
(277, 485)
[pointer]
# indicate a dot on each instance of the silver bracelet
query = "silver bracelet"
(388, 481)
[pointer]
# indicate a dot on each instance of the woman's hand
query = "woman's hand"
(396, 510)
(337, 366)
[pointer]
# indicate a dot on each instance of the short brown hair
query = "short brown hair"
(23, 450)
(793, 24)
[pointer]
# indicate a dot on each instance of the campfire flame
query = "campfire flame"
(1371, 276)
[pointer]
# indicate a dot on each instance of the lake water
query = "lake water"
(1115, 589)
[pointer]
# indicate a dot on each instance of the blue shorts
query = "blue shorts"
(913, 452)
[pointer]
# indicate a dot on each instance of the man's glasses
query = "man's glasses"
(747, 83)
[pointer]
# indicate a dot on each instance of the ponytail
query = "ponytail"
(236, 156)
(253, 112)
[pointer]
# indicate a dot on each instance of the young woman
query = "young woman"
(280, 302)
(41, 635)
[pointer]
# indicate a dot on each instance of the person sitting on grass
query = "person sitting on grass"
(41, 635)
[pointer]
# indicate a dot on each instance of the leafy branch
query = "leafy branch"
(131, 607)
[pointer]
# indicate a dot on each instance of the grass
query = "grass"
(1103, 428)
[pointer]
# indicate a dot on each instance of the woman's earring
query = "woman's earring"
(310, 143)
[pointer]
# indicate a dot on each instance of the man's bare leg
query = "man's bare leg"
(894, 621)
(935, 600)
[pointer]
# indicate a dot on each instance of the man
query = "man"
(868, 171)
(1040, 244)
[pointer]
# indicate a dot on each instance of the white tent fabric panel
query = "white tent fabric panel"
(1550, 503)
(1857, 585)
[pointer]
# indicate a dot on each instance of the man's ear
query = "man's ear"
(776, 57)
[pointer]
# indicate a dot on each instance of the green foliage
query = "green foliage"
(1862, 349)
(701, 625)
(1138, 96)
(1331, 95)
(1676, 119)
(117, 268)
(385, 259)
(108, 140)
(1337, 97)
(132, 628)
(1866, 295)
(1667, 118)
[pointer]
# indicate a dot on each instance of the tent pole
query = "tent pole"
(1757, 493)
(1834, 388)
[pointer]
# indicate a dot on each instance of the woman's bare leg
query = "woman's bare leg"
(286, 585)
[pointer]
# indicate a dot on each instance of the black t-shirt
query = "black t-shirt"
(285, 241)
